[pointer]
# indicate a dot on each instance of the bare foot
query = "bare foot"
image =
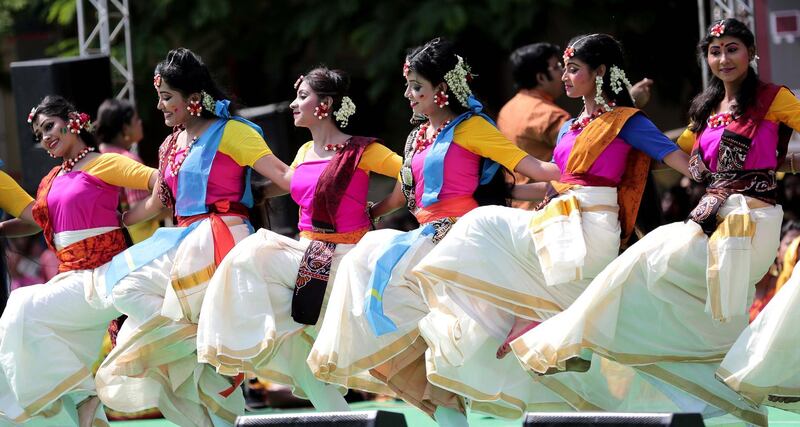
(520, 327)
(783, 399)
(86, 411)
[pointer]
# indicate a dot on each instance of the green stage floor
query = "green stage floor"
(416, 418)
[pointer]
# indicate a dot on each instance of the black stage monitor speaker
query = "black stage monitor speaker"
(606, 419)
(326, 419)
(86, 81)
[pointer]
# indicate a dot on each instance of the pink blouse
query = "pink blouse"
(80, 201)
(351, 215)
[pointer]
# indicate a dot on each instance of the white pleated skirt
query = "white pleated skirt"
(765, 360)
(651, 308)
(246, 324)
(490, 270)
(155, 361)
(50, 335)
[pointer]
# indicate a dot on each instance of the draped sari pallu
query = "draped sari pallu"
(729, 242)
(86, 254)
(315, 267)
(557, 231)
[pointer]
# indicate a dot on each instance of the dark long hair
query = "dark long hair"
(602, 49)
(326, 82)
(112, 116)
(58, 106)
(705, 102)
(432, 61)
(185, 72)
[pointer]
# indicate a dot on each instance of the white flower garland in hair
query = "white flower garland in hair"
(208, 102)
(618, 77)
(457, 79)
(344, 112)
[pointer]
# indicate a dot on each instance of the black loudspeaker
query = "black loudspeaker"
(611, 419)
(85, 81)
(326, 419)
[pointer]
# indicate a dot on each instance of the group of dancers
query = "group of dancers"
(483, 307)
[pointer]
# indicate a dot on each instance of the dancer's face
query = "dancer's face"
(419, 92)
(304, 105)
(173, 105)
(53, 135)
(728, 58)
(578, 78)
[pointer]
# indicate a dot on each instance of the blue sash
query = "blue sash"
(393, 251)
(433, 169)
(190, 199)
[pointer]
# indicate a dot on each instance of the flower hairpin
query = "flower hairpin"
(31, 114)
(347, 109)
(157, 81)
(298, 81)
(718, 29)
(457, 80)
(78, 121)
(569, 52)
(406, 69)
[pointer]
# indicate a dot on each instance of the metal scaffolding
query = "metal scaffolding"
(103, 40)
(743, 10)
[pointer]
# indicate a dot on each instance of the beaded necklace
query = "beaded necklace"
(421, 143)
(70, 163)
(174, 164)
(720, 119)
(582, 123)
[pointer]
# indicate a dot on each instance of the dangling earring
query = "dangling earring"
(441, 98)
(321, 110)
(194, 108)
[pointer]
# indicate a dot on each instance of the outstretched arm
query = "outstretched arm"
(679, 161)
(538, 170)
(394, 201)
(277, 172)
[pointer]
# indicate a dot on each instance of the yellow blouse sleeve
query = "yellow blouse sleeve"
(243, 143)
(379, 159)
(301, 154)
(116, 169)
(785, 109)
(686, 141)
(480, 137)
(13, 199)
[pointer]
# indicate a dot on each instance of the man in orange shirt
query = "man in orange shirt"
(531, 119)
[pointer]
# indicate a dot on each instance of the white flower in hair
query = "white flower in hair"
(208, 102)
(347, 109)
(618, 78)
(458, 80)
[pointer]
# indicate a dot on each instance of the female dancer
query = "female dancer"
(118, 128)
(509, 269)
(445, 160)
(263, 304)
(677, 299)
(160, 283)
(50, 334)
